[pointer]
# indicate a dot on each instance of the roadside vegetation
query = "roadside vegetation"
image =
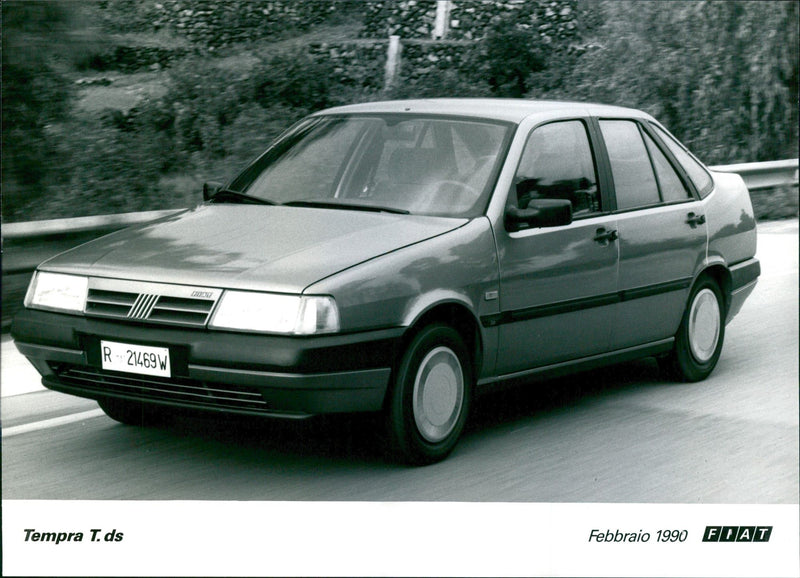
(126, 105)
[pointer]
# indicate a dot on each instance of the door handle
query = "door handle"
(604, 236)
(694, 220)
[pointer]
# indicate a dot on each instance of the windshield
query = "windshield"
(420, 165)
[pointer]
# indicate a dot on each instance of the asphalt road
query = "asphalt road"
(620, 434)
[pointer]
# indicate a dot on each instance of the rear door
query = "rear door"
(662, 233)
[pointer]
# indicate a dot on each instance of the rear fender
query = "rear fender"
(731, 222)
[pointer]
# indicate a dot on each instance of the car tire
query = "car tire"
(127, 412)
(431, 396)
(698, 343)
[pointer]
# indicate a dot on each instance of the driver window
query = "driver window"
(557, 163)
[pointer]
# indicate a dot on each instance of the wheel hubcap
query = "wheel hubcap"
(704, 325)
(438, 394)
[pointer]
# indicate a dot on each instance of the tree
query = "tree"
(721, 75)
(34, 94)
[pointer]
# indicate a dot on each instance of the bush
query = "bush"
(293, 79)
(508, 57)
(777, 203)
(110, 169)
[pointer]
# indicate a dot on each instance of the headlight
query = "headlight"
(57, 291)
(274, 313)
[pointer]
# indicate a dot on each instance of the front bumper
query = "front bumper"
(213, 370)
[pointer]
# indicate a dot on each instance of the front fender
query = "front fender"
(397, 288)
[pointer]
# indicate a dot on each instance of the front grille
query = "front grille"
(187, 392)
(109, 303)
(156, 303)
(179, 310)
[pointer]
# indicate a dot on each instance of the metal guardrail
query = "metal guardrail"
(25, 245)
(81, 224)
(766, 175)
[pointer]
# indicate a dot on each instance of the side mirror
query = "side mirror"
(210, 189)
(539, 213)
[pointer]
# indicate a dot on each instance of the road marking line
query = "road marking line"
(48, 423)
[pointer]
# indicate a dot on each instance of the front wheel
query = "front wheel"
(698, 343)
(431, 396)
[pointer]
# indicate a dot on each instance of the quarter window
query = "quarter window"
(634, 181)
(699, 176)
(669, 183)
(557, 163)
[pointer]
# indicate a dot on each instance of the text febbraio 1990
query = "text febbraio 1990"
(620, 536)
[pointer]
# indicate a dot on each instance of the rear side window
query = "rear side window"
(557, 163)
(699, 176)
(634, 181)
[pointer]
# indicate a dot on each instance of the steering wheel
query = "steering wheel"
(441, 186)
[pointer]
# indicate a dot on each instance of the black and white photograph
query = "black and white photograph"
(400, 288)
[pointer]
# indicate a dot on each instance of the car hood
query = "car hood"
(270, 248)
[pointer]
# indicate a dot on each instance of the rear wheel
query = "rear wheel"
(431, 396)
(698, 343)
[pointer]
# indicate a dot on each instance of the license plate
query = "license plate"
(143, 359)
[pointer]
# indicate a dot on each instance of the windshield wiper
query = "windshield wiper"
(347, 207)
(227, 195)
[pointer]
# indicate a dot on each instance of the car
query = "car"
(402, 257)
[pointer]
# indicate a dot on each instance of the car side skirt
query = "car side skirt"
(577, 365)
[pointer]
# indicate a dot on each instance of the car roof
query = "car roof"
(503, 109)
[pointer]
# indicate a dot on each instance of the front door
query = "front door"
(557, 285)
